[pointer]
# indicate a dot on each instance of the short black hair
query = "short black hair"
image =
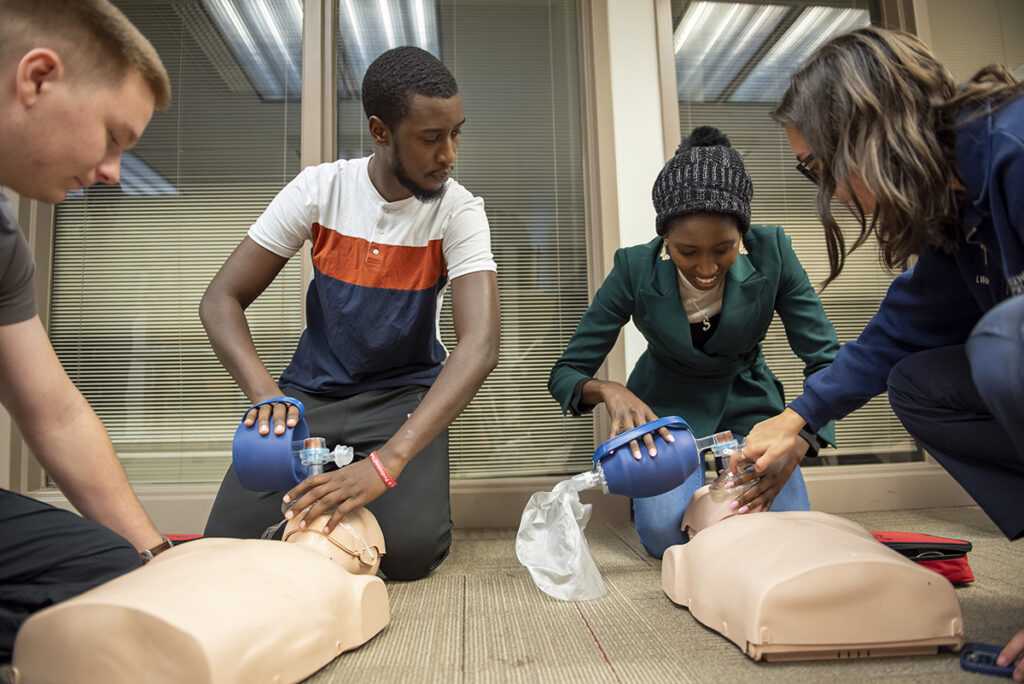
(396, 74)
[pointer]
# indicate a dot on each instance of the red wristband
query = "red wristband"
(388, 480)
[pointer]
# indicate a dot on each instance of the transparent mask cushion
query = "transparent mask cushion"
(371, 551)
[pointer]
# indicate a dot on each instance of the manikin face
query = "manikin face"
(703, 247)
(68, 135)
(843, 193)
(424, 143)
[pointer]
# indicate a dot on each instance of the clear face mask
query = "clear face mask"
(723, 446)
(719, 490)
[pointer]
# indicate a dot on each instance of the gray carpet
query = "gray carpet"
(479, 618)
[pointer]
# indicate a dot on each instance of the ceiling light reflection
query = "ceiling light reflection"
(815, 26)
(715, 40)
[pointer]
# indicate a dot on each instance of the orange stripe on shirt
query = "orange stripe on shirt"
(394, 267)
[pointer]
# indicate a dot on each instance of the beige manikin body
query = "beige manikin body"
(217, 611)
(804, 585)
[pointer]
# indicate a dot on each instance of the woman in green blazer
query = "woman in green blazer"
(702, 294)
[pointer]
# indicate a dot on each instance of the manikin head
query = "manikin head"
(415, 119)
(79, 85)
(702, 199)
(712, 503)
(356, 543)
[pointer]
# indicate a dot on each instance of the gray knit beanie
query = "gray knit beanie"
(705, 176)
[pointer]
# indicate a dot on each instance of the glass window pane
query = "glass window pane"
(132, 261)
(734, 86)
(518, 71)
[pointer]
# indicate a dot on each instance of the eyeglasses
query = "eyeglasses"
(804, 167)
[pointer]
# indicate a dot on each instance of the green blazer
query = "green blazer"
(727, 385)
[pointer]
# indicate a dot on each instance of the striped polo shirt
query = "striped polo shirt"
(379, 273)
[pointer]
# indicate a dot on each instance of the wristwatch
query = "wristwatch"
(812, 442)
(148, 554)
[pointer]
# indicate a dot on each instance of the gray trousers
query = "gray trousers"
(415, 516)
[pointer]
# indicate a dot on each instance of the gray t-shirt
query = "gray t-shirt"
(17, 296)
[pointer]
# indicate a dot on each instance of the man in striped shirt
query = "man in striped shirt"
(389, 233)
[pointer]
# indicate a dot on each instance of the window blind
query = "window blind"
(517, 67)
(736, 95)
(130, 267)
(131, 262)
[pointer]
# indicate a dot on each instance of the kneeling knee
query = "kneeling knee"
(655, 550)
(902, 389)
(993, 360)
(413, 562)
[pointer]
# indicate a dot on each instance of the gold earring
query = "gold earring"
(664, 251)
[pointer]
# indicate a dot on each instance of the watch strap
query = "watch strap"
(150, 553)
(813, 443)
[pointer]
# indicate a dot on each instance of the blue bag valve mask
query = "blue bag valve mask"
(649, 476)
(275, 463)
(550, 542)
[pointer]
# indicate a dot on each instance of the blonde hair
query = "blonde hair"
(92, 37)
(877, 105)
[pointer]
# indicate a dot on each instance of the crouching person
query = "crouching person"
(389, 233)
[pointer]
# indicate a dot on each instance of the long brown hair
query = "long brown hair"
(877, 105)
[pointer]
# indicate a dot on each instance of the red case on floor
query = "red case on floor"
(948, 557)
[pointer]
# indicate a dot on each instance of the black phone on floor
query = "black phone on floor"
(977, 657)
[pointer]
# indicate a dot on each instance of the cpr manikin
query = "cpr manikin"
(219, 610)
(803, 585)
(711, 503)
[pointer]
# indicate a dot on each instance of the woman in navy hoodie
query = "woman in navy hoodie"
(877, 122)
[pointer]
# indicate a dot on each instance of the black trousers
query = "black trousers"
(48, 555)
(965, 405)
(415, 516)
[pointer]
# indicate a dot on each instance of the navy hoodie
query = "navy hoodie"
(938, 301)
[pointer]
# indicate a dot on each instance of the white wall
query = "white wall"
(969, 35)
(636, 111)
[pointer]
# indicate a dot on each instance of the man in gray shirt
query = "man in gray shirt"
(78, 85)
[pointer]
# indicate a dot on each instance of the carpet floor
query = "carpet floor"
(479, 618)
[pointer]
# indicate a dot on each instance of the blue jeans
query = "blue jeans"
(965, 405)
(659, 519)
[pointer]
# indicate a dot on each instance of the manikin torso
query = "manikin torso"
(801, 585)
(219, 610)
